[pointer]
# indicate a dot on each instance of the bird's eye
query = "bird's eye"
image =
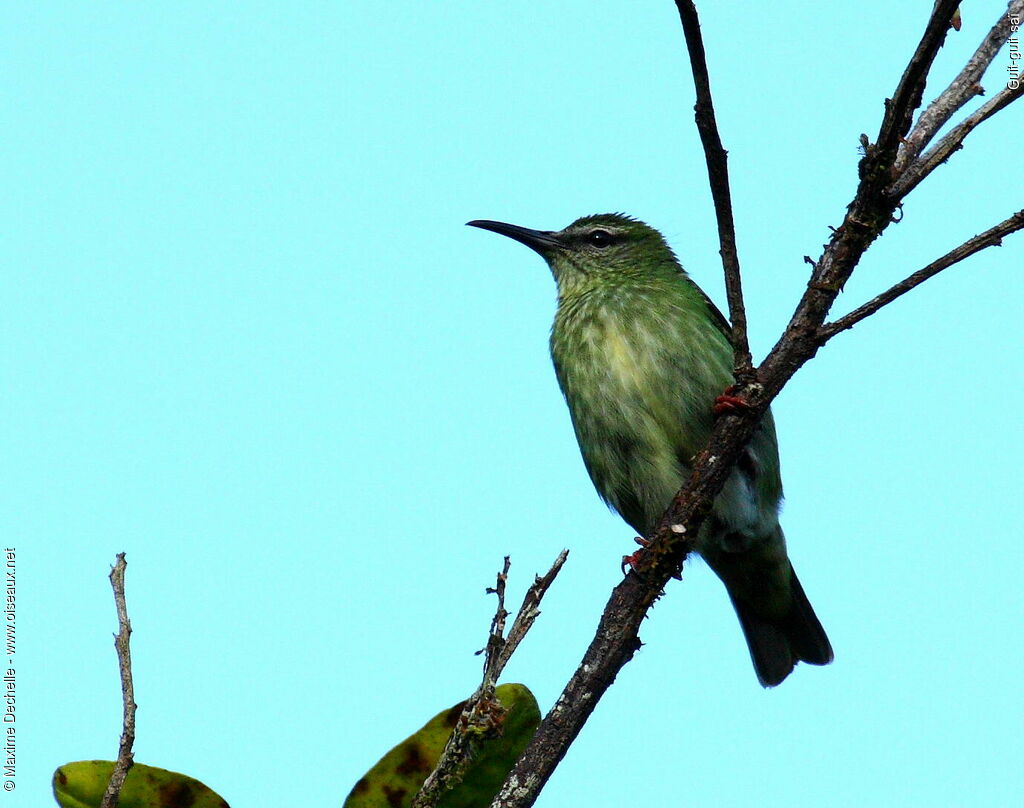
(599, 238)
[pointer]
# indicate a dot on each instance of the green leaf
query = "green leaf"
(81, 785)
(395, 779)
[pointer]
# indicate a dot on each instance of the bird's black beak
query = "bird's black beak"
(542, 241)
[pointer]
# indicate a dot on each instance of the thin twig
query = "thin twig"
(124, 660)
(496, 636)
(961, 90)
(482, 713)
(716, 158)
(993, 237)
(528, 613)
(953, 141)
(909, 92)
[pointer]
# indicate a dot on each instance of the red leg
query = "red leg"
(633, 559)
(729, 402)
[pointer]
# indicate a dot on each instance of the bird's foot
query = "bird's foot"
(730, 402)
(633, 559)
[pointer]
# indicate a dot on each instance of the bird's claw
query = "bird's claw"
(633, 559)
(730, 402)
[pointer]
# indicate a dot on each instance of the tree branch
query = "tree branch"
(616, 640)
(482, 711)
(953, 141)
(124, 660)
(961, 90)
(716, 158)
(527, 614)
(993, 237)
(907, 98)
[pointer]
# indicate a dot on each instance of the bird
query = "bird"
(641, 354)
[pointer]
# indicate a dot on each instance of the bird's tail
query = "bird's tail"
(778, 639)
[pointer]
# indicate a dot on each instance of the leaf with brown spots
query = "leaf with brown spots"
(397, 777)
(81, 785)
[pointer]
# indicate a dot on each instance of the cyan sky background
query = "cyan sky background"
(248, 340)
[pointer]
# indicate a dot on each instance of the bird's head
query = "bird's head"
(603, 249)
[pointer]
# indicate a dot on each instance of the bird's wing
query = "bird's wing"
(716, 315)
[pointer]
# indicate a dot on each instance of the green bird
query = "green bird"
(641, 355)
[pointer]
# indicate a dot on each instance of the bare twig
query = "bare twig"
(528, 613)
(482, 713)
(124, 660)
(993, 237)
(961, 90)
(496, 636)
(953, 141)
(716, 158)
(907, 98)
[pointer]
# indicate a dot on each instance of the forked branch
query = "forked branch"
(868, 215)
(482, 711)
(953, 141)
(962, 89)
(911, 166)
